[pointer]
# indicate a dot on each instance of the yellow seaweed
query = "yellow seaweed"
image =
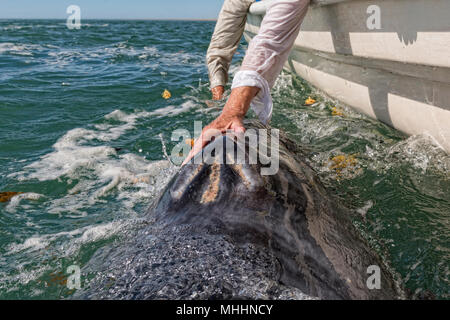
(166, 94)
(343, 161)
(309, 101)
(337, 112)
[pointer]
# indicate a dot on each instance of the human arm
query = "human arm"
(263, 62)
(231, 118)
(224, 42)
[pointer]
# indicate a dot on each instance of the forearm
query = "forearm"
(225, 40)
(239, 102)
(269, 51)
(230, 119)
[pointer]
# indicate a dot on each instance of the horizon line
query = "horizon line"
(117, 19)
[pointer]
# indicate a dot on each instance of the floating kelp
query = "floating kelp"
(337, 112)
(343, 161)
(166, 94)
(309, 101)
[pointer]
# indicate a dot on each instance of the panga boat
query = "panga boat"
(389, 59)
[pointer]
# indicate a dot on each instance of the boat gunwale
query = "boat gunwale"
(415, 70)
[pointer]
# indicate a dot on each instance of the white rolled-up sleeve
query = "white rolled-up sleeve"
(269, 50)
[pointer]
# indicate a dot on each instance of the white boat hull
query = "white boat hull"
(399, 74)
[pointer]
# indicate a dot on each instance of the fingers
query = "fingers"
(196, 148)
(202, 141)
(237, 126)
(216, 128)
(239, 129)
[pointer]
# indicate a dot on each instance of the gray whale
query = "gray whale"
(224, 231)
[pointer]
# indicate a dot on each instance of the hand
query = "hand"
(219, 126)
(231, 118)
(217, 92)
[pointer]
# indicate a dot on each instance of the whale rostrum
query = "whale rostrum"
(222, 229)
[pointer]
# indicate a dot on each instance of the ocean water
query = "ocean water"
(82, 126)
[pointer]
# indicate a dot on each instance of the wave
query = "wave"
(16, 200)
(19, 49)
(100, 169)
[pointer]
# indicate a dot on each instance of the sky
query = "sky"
(111, 9)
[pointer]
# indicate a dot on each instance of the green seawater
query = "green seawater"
(82, 122)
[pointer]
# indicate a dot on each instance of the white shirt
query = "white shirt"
(268, 52)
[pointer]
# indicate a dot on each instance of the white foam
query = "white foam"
(21, 278)
(422, 152)
(99, 170)
(15, 201)
(123, 48)
(33, 244)
(18, 49)
(95, 25)
(70, 153)
(12, 27)
(63, 56)
(71, 244)
(171, 111)
(364, 209)
(92, 234)
(177, 58)
(65, 161)
(133, 178)
(75, 238)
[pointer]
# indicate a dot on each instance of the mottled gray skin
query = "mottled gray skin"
(225, 231)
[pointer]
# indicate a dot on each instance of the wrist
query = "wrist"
(239, 102)
(217, 92)
(228, 115)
